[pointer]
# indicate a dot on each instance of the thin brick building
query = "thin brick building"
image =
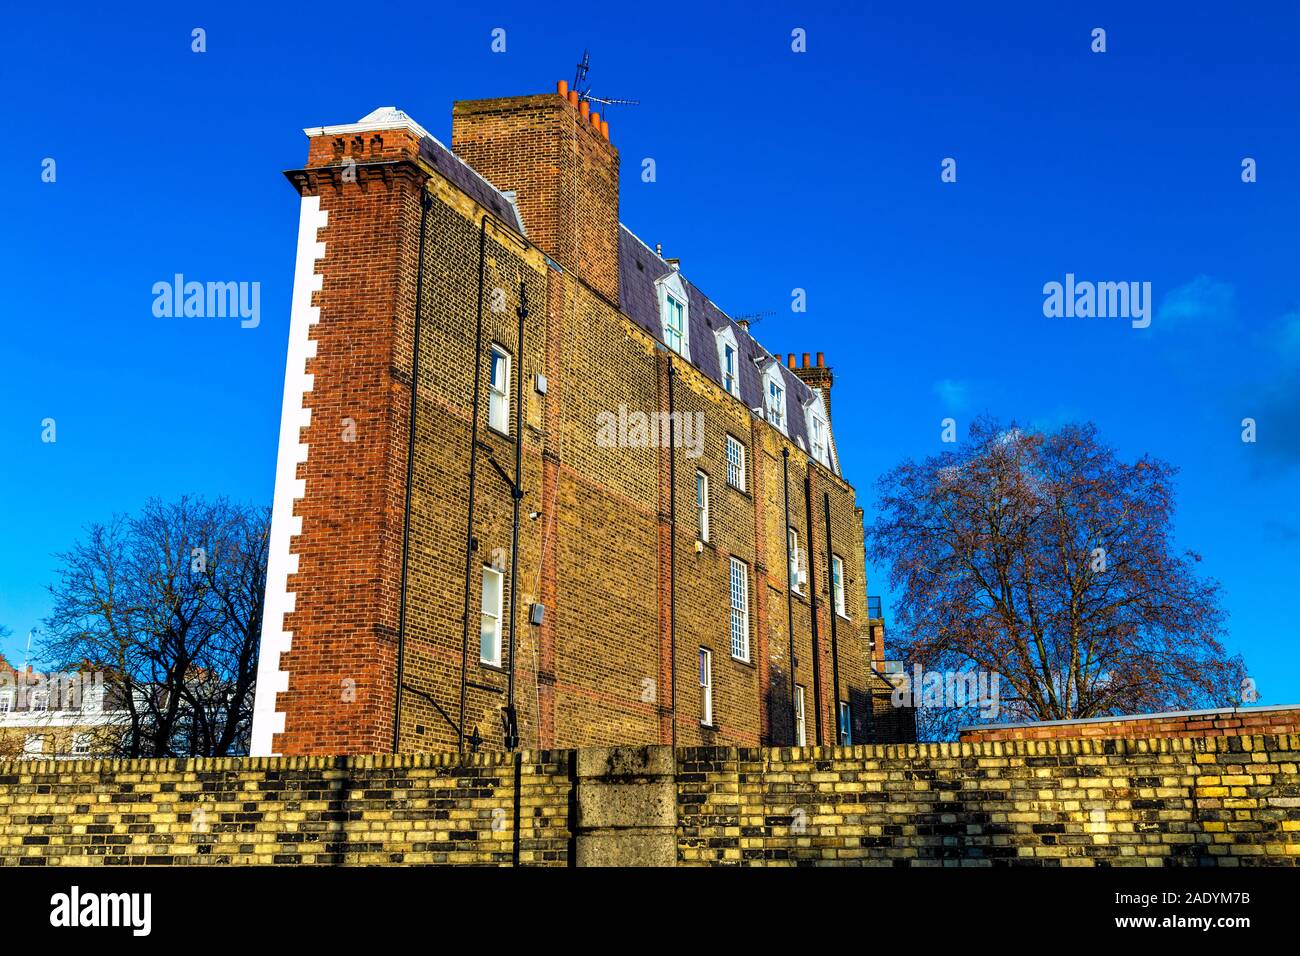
(533, 487)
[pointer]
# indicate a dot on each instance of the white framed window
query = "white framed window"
(490, 618)
(702, 504)
(81, 744)
(735, 463)
(776, 403)
(674, 313)
(33, 745)
(706, 687)
(773, 393)
(792, 558)
(499, 390)
(819, 429)
(6, 702)
(817, 436)
(674, 324)
(739, 610)
(800, 724)
(846, 730)
(729, 361)
(837, 585)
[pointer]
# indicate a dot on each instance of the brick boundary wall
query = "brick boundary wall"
(1225, 800)
(1235, 721)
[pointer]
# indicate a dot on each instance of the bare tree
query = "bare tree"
(168, 605)
(1044, 559)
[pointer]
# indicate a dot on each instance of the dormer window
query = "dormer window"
(674, 314)
(819, 429)
(817, 432)
(674, 325)
(775, 404)
(773, 393)
(729, 361)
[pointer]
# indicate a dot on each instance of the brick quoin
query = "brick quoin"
(528, 196)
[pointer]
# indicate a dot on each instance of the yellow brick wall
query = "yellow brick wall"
(426, 809)
(1225, 801)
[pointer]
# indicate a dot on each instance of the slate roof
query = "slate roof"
(638, 270)
(470, 182)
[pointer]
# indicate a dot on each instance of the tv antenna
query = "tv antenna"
(583, 88)
(752, 317)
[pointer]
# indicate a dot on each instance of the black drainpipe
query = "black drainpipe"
(672, 552)
(517, 493)
(470, 544)
(789, 597)
(812, 598)
(835, 647)
(426, 202)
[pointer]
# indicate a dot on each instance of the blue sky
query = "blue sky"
(776, 171)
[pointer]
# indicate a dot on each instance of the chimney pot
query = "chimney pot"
(821, 359)
(595, 120)
(562, 87)
(573, 97)
(790, 360)
(807, 360)
(584, 109)
(604, 130)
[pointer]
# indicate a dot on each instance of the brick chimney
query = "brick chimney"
(817, 376)
(555, 155)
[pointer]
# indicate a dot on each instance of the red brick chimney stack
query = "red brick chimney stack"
(816, 376)
(555, 155)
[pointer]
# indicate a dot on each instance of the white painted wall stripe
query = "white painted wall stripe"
(282, 562)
